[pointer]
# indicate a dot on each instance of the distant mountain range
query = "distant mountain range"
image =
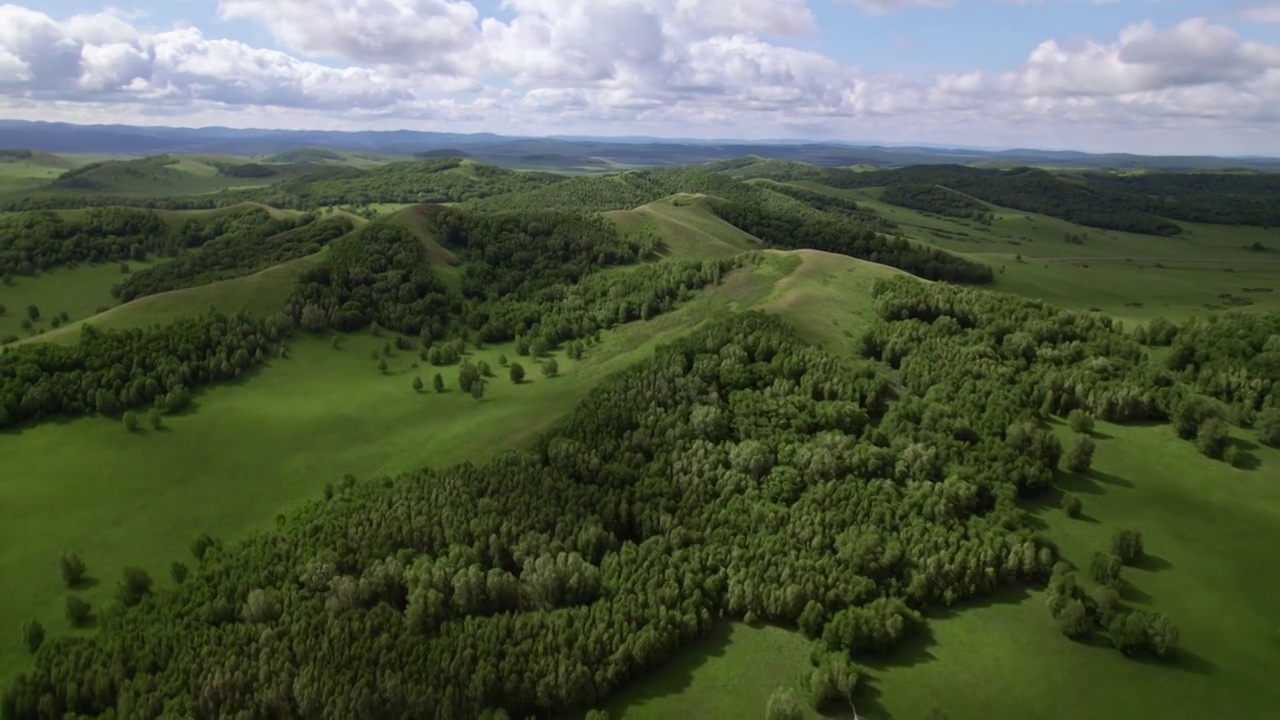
(562, 151)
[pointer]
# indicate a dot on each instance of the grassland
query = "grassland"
(260, 446)
(78, 291)
(1130, 276)
(688, 228)
(262, 292)
(1209, 531)
(255, 448)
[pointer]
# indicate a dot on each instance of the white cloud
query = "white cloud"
(882, 7)
(1263, 14)
(1145, 59)
(429, 34)
(711, 67)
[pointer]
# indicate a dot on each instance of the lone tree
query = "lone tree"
(1267, 424)
(153, 417)
(1080, 455)
(72, 568)
(32, 635)
(417, 384)
(1211, 438)
(517, 373)
(1105, 569)
(135, 586)
(550, 368)
(1071, 505)
(1127, 545)
(3, 310)
(382, 366)
(78, 610)
(783, 705)
(1081, 421)
(437, 382)
(477, 389)
(130, 420)
(33, 313)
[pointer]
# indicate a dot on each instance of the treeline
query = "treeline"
(838, 235)
(1208, 197)
(445, 180)
(378, 273)
(937, 199)
(233, 245)
(738, 473)
(834, 204)
(110, 371)
(517, 253)
(558, 314)
(1233, 361)
(35, 241)
(783, 219)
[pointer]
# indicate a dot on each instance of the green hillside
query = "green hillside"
(678, 442)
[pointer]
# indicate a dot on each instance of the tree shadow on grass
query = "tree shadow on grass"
(1132, 593)
(1186, 661)
(1109, 479)
(916, 650)
(1152, 563)
(85, 583)
(670, 676)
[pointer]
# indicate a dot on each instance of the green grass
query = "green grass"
(688, 227)
(253, 449)
(707, 679)
(263, 292)
(79, 291)
(1132, 277)
(821, 282)
(1210, 531)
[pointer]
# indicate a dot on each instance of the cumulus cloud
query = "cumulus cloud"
(678, 66)
(1195, 52)
(430, 34)
(882, 7)
(1263, 14)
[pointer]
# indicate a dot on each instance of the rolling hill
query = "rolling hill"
(749, 444)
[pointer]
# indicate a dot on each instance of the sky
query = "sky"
(1145, 76)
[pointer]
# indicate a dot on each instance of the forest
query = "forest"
(36, 241)
(234, 245)
(739, 472)
(113, 372)
(937, 199)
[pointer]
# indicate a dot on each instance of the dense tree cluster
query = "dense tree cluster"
(739, 472)
(839, 235)
(518, 253)
(443, 180)
(110, 371)
(937, 199)
(235, 245)
(41, 240)
(380, 274)
(1207, 197)
(1029, 189)
(786, 220)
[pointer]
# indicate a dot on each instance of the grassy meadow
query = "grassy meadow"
(1133, 277)
(78, 291)
(252, 449)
